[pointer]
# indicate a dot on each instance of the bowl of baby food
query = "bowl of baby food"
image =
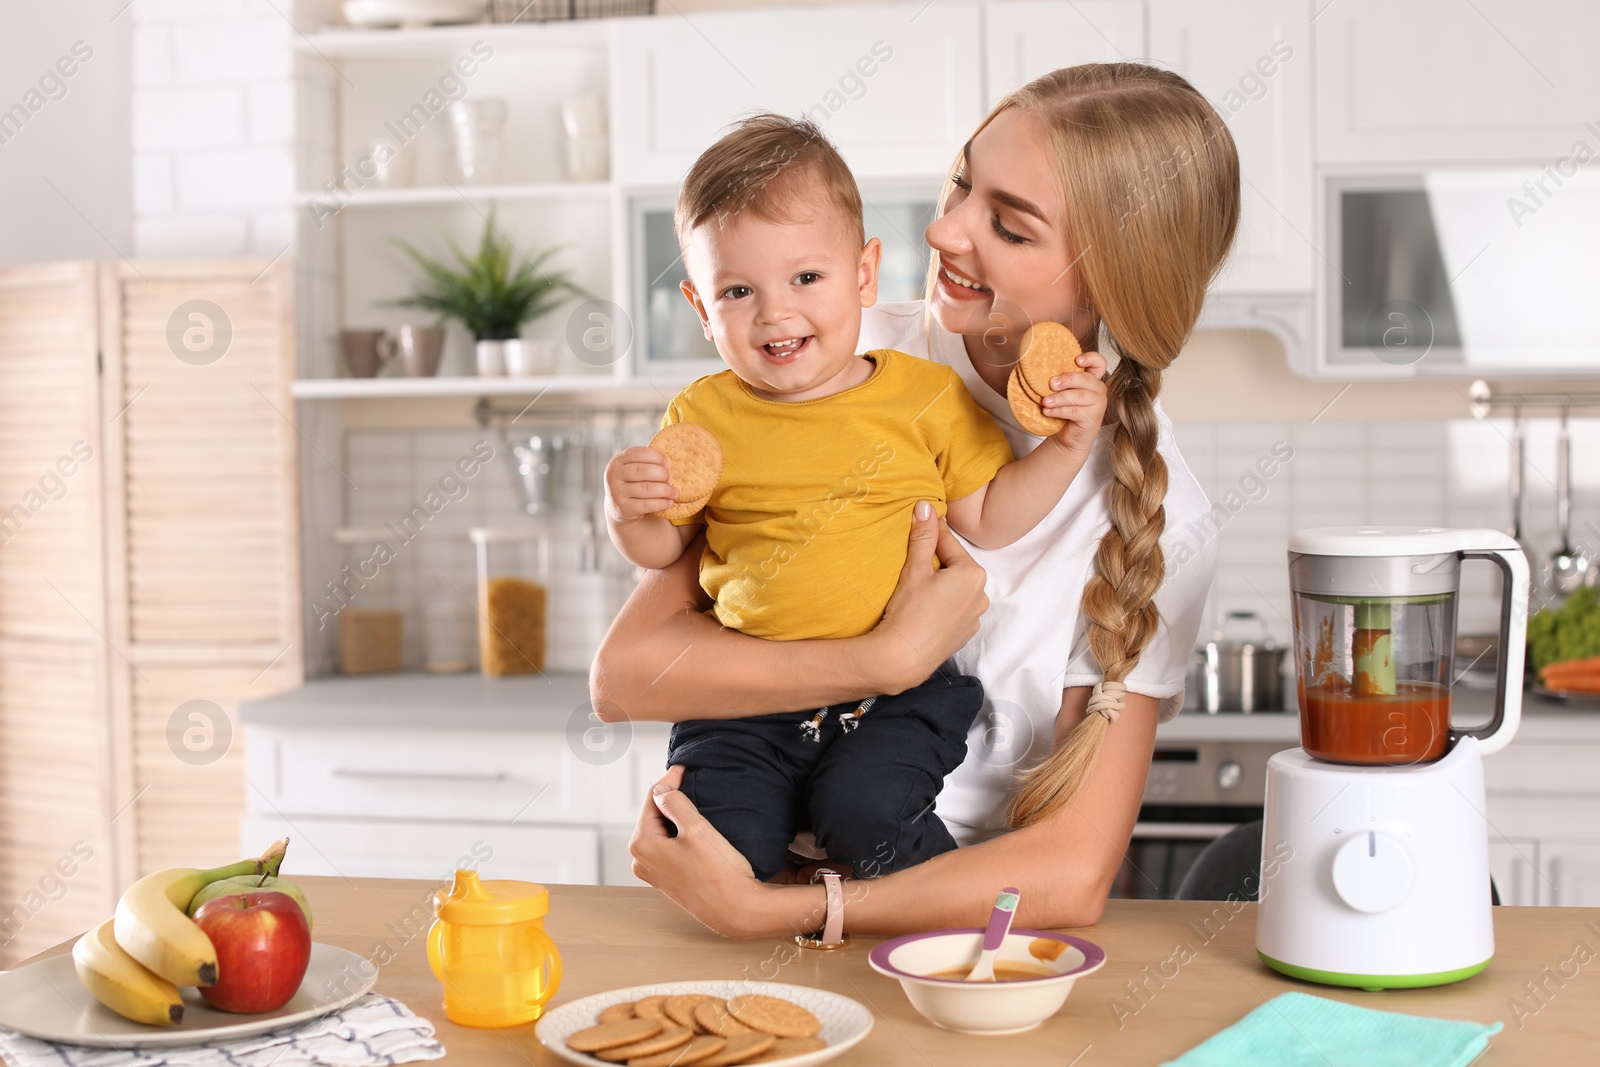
(1034, 972)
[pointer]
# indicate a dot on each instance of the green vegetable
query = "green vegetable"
(1571, 631)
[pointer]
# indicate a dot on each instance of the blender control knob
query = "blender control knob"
(1372, 872)
(1229, 775)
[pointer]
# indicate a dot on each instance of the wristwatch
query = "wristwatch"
(832, 934)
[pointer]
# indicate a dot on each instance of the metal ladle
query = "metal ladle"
(1569, 566)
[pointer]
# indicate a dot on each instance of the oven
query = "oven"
(1195, 793)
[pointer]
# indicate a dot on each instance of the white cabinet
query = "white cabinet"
(1571, 873)
(364, 848)
(1026, 38)
(896, 86)
(1252, 60)
(1514, 866)
(1442, 81)
(396, 776)
(1544, 823)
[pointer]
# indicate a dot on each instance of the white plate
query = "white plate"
(844, 1021)
(46, 1000)
(371, 14)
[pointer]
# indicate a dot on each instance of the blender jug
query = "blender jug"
(1374, 622)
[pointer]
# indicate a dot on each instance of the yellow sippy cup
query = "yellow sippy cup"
(488, 946)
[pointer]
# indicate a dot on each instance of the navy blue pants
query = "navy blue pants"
(865, 791)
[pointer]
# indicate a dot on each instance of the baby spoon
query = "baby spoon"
(1005, 909)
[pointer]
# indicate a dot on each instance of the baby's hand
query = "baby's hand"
(1081, 401)
(637, 485)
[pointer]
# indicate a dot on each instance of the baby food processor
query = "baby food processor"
(1375, 857)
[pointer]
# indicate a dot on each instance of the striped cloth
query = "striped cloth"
(375, 1030)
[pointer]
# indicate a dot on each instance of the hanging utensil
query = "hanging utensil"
(1518, 472)
(588, 548)
(1569, 566)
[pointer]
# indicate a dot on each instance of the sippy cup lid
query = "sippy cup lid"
(470, 902)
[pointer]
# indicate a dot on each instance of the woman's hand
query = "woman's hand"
(932, 612)
(1081, 401)
(698, 869)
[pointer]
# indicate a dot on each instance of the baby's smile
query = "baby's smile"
(787, 350)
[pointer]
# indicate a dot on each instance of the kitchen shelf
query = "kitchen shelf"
(449, 194)
(468, 385)
(348, 42)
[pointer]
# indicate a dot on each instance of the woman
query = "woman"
(1104, 197)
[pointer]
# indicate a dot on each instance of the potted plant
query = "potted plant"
(492, 300)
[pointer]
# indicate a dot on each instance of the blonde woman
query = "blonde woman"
(1104, 197)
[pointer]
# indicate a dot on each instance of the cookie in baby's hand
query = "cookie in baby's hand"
(694, 469)
(1048, 349)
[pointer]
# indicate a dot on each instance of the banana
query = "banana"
(151, 926)
(122, 983)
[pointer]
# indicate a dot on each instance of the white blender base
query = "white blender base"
(1375, 876)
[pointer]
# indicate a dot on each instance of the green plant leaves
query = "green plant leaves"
(484, 293)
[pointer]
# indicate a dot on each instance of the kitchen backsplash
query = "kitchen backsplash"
(1264, 479)
(1452, 473)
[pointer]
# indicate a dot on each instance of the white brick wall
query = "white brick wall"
(214, 124)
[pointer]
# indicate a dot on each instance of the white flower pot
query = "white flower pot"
(491, 358)
(528, 356)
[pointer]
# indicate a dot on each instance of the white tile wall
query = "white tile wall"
(1451, 473)
(1425, 473)
(389, 472)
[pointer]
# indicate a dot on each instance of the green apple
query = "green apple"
(250, 883)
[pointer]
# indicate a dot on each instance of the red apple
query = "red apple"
(263, 948)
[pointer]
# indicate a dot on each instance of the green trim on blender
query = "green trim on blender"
(1420, 598)
(1373, 982)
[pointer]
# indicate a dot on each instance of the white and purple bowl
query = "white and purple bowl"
(983, 1007)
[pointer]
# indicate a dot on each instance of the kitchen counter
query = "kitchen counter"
(414, 700)
(1141, 1008)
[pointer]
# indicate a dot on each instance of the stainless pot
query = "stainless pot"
(1239, 674)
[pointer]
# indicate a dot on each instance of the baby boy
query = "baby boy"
(826, 451)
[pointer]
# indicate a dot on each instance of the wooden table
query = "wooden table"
(1143, 1007)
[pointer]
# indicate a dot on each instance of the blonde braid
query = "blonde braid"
(1119, 599)
(1150, 178)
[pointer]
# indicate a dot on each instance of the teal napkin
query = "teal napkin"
(1299, 1030)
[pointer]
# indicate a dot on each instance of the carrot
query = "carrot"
(1589, 665)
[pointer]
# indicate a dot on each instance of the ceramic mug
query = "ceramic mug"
(418, 349)
(366, 352)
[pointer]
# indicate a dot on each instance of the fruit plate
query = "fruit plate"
(845, 1022)
(45, 1000)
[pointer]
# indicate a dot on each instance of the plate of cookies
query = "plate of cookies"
(705, 1024)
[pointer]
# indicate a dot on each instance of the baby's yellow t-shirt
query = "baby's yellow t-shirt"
(806, 532)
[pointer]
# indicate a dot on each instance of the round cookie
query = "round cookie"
(741, 1048)
(684, 509)
(695, 455)
(1027, 411)
(617, 1012)
(670, 1038)
(1048, 349)
(614, 1035)
(781, 1018)
(711, 1015)
(680, 1009)
(698, 1050)
(649, 1007)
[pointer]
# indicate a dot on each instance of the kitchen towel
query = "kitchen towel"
(375, 1030)
(1299, 1030)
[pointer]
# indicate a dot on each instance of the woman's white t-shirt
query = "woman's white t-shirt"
(1033, 641)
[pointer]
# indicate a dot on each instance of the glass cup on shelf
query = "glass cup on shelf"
(479, 129)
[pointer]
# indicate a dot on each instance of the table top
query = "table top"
(1143, 1007)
